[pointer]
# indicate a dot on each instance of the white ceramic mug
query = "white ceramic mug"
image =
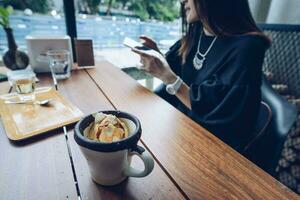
(109, 163)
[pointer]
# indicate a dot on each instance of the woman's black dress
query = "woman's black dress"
(225, 94)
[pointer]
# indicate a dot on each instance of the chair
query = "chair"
(267, 146)
(282, 61)
(263, 121)
(283, 57)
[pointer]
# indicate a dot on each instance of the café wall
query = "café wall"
(276, 11)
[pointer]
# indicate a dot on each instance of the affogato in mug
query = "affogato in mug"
(108, 144)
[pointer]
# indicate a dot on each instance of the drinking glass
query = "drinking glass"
(60, 63)
(24, 84)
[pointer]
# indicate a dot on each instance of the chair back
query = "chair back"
(262, 122)
(266, 150)
(283, 57)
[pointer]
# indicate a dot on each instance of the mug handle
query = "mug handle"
(146, 158)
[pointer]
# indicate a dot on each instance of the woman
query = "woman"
(213, 74)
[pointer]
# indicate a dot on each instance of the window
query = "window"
(38, 18)
(107, 23)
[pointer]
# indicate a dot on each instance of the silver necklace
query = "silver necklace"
(199, 58)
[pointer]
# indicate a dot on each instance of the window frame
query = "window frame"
(70, 20)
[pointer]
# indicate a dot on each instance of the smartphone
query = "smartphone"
(134, 44)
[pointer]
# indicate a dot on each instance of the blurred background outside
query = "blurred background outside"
(107, 22)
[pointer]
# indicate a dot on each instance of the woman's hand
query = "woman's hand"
(148, 42)
(155, 64)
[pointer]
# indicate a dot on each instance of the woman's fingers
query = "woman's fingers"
(148, 42)
(153, 63)
(145, 64)
(141, 52)
(142, 60)
(147, 39)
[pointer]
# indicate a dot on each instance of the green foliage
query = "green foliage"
(123, 2)
(139, 9)
(39, 6)
(4, 16)
(163, 10)
(90, 6)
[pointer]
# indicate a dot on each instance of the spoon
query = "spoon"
(41, 103)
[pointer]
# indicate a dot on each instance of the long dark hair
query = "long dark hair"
(222, 18)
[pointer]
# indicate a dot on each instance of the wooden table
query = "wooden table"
(190, 162)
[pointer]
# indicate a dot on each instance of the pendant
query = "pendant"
(197, 62)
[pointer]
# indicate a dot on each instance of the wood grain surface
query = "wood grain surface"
(35, 169)
(202, 165)
(83, 92)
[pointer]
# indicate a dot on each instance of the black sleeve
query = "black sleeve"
(228, 101)
(173, 58)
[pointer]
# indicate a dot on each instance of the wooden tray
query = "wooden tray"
(22, 121)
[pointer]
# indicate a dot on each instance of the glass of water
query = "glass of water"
(60, 63)
(24, 84)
